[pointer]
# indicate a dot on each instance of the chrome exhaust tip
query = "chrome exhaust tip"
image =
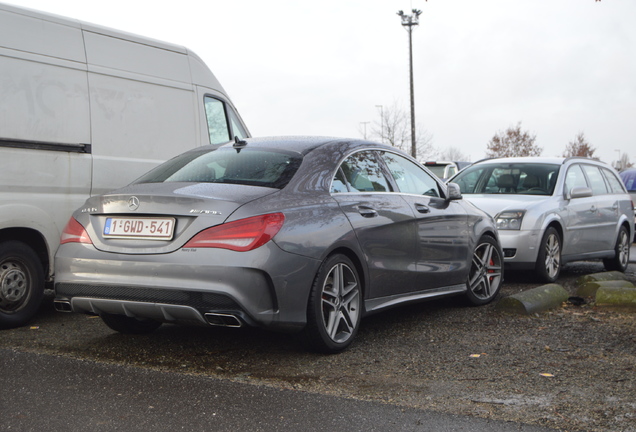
(62, 306)
(223, 320)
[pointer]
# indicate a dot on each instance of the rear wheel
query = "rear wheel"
(334, 308)
(548, 266)
(129, 325)
(21, 284)
(621, 249)
(486, 272)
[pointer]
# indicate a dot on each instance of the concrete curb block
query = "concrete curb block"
(616, 296)
(589, 289)
(598, 277)
(534, 300)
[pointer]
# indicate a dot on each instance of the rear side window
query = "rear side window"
(364, 173)
(596, 179)
(254, 167)
(615, 184)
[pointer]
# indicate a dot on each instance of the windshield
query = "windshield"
(508, 178)
(254, 167)
(629, 178)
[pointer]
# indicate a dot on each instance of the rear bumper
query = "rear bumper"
(182, 287)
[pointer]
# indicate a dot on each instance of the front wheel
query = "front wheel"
(621, 253)
(548, 266)
(21, 284)
(129, 325)
(486, 272)
(334, 307)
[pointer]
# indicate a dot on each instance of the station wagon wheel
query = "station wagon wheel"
(548, 266)
(334, 308)
(621, 249)
(129, 325)
(21, 284)
(486, 272)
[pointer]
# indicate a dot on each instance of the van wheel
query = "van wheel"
(621, 249)
(548, 266)
(21, 284)
(129, 325)
(334, 309)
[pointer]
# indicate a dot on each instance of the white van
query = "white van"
(85, 109)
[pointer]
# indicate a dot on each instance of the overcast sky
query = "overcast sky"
(560, 67)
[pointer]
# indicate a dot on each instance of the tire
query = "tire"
(621, 250)
(548, 266)
(335, 306)
(21, 284)
(129, 325)
(486, 272)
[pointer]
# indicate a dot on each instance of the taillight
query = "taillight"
(241, 235)
(74, 232)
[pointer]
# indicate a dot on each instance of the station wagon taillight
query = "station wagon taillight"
(74, 232)
(241, 235)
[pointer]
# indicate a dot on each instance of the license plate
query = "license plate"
(139, 228)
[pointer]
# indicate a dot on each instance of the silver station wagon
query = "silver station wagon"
(550, 211)
(290, 234)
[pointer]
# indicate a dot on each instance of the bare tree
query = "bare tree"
(579, 147)
(623, 163)
(513, 142)
(394, 128)
(453, 154)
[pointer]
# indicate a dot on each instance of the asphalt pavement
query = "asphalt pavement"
(45, 392)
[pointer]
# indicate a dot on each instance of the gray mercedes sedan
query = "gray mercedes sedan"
(289, 234)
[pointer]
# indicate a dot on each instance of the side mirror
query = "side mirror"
(454, 192)
(580, 192)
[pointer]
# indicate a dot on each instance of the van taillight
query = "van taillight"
(74, 232)
(241, 235)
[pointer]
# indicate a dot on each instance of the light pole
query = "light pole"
(408, 22)
(365, 128)
(381, 123)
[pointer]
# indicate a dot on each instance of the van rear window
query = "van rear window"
(254, 167)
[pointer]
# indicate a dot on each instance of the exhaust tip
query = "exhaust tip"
(223, 320)
(62, 305)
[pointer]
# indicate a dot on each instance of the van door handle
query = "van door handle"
(367, 212)
(421, 208)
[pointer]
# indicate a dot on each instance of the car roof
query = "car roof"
(306, 144)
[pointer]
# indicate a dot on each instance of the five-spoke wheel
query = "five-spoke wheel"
(548, 266)
(486, 272)
(334, 310)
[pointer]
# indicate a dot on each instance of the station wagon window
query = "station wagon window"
(596, 179)
(364, 173)
(615, 184)
(217, 121)
(409, 177)
(575, 178)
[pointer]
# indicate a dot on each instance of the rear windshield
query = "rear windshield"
(508, 178)
(254, 167)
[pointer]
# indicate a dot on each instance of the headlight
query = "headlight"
(510, 220)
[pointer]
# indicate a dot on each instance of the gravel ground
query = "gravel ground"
(572, 369)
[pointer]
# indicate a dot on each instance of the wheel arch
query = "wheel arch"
(35, 240)
(357, 262)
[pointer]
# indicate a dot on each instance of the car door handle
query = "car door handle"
(593, 209)
(367, 212)
(421, 208)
